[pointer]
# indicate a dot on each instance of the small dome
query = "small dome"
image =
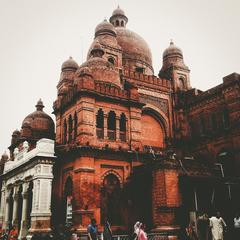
(16, 132)
(118, 12)
(69, 64)
(4, 157)
(172, 50)
(40, 124)
(105, 28)
(85, 71)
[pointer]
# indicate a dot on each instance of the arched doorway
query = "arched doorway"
(152, 130)
(67, 201)
(110, 200)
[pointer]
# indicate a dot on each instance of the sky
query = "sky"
(37, 36)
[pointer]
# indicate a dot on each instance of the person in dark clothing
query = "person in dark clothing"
(92, 230)
(107, 232)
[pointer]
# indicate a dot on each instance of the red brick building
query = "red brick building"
(133, 146)
(121, 130)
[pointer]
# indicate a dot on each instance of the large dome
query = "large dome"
(134, 47)
(38, 124)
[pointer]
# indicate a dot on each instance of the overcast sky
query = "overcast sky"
(36, 36)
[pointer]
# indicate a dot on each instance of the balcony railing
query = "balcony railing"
(100, 133)
(123, 136)
(111, 134)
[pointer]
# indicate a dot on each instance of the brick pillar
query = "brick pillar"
(165, 200)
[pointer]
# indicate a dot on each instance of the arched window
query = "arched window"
(181, 83)
(123, 127)
(100, 124)
(122, 23)
(111, 60)
(65, 132)
(75, 125)
(70, 128)
(110, 200)
(117, 23)
(111, 123)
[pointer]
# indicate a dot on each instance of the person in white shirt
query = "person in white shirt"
(237, 226)
(217, 224)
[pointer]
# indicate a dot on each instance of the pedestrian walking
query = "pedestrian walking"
(203, 226)
(191, 232)
(142, 234)
(236, 221)
(107, 232)
(92, 230)
(13, 234)
(217, 225)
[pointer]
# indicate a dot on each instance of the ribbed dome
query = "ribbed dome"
(105, 28)
(134, 47)
(172, 50)
(38, 123)
(69, 64)
(118, 12)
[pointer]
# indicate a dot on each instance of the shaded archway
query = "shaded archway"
(67, 201)
(110, 200)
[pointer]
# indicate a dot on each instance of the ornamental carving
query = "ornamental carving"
(158, 102)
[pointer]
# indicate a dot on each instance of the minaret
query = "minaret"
(174, 68)
(118, 18)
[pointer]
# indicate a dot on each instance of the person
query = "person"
(142, 235)
(203, 226)
(136, 229)
(4, 235)
(13, 234)
(190, 231)
(74, 235)
(217, 224)
(107, 232)
(92, 230)
(237, 226)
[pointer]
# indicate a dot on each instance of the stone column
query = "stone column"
(41, 208)
(23, 230)
(6, 219)
(105, 126)
(117, 128)
(3, 203)
(15, 206)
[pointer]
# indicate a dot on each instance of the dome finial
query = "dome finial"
(39, 105)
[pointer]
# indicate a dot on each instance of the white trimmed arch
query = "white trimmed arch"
(114, 173)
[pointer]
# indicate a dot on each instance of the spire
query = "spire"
(39, 106)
